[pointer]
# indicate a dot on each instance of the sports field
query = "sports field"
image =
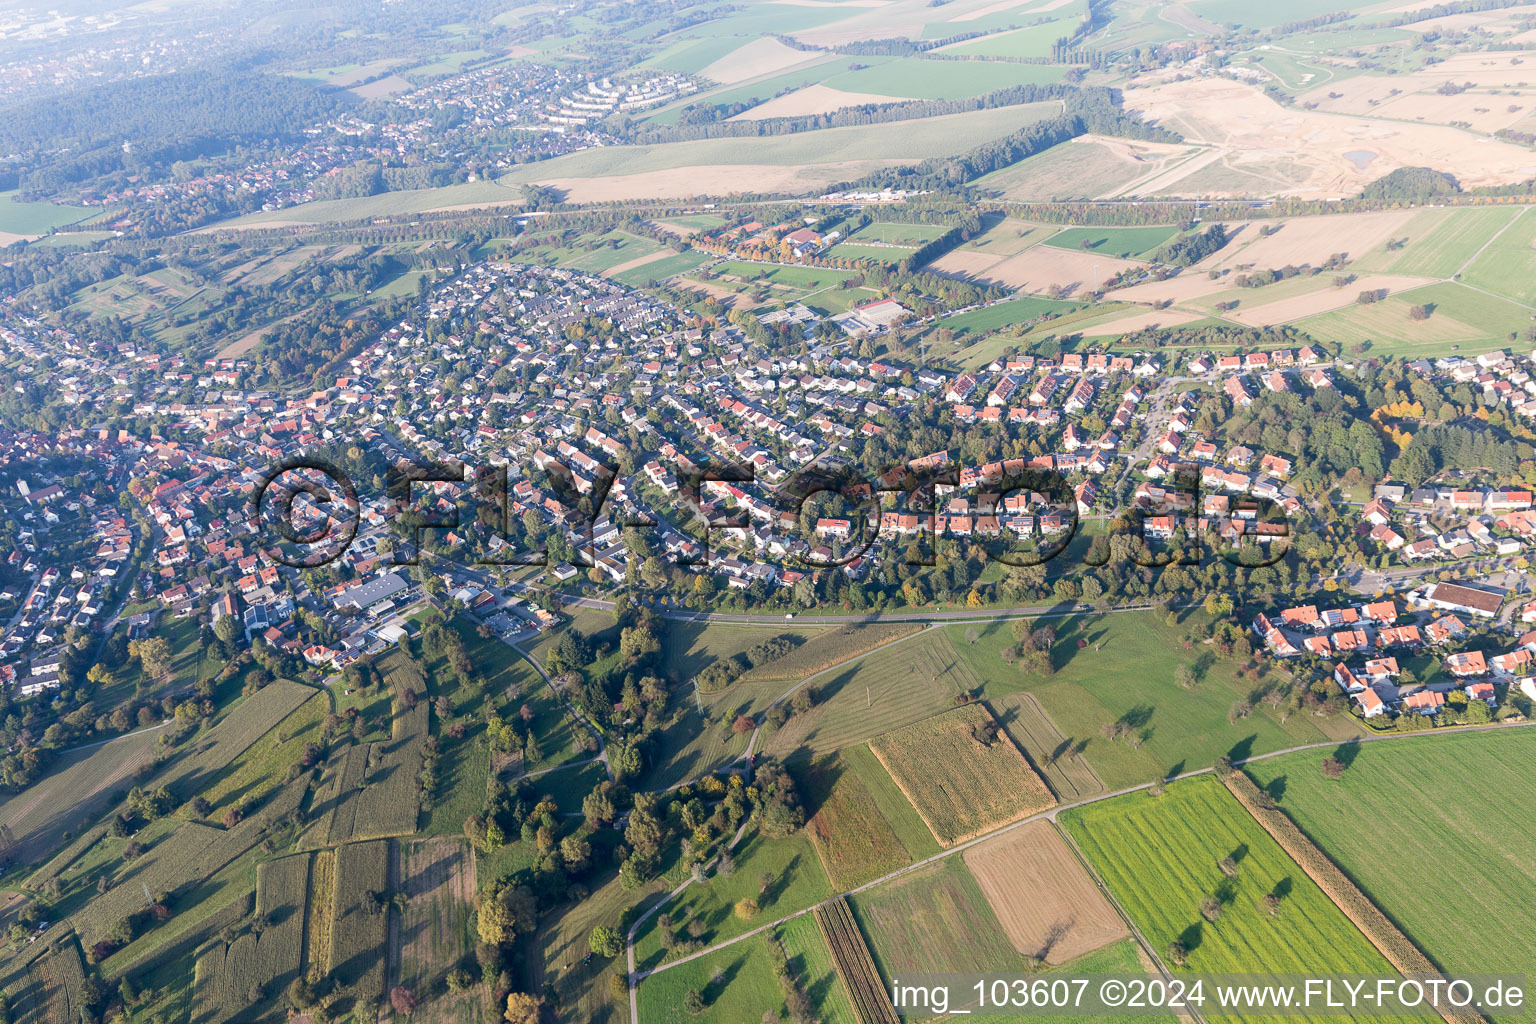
(1479, 922)
(1162, 857)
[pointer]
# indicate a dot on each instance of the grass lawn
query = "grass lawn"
(737, 984)
(19, 218)
(1126, 674)
(569, 786)
(613, 248)
(1002, 314)
(806, 278)
(1416, 796)
(1160, 856)
(1438, 242)
(1126, 242)
(898, 234)
(925, 79)
(798, 882)
(660, 270)
(872, 253)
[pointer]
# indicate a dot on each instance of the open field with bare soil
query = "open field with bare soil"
(1308, 153)
(1048, 905)
(759, 57)
(1036, 269)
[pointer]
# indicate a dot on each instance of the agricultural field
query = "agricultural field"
(894, 687)
(934, 919)
(50, 993)
(1002, 314)
(689, 647)
(1161, 856)
(1032, 41)
(1436, 243)
(83, 784)
(925, 79)
(357, 952)
(855, 966)
(266, 959)
(1007, 236)
(1128, 243)
(1460, 319)
(963, 779)
(1055, 757)
(1463, 927)
(798, 881)
(855, 842)
(208, 756)
(264, 765)
(20, 220)
(370, 791)
(1170, 729)
(812, 965)
(1086, 168)
(436, 929)
(829, 648)
(1048, 905)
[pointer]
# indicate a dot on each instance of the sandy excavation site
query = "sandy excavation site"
(1309, 154)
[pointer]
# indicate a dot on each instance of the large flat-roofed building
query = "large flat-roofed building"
(1451, 597)
(374, 591)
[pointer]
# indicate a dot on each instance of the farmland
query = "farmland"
(830, 648)
(895, 686)
(80, 787)
(1057, 759)
(813, 967)
(689, 647)
(436, 931)
(18, 218)
(264, 765)
(581, 988)
(1459, 927)
(1046, 903)
(1162, 856)
(854, 840)
(1125, 242)
(1086, 693)
(854, 963)
(963, 779)
(934, 918)
(357, 951)
(258, 714)
(266, 959)
(50, 991)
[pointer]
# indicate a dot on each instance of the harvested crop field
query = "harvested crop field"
(1087, 167)
(1251, 130)
(902, 683)
(435, 931)
(813, 99)
(1057, 758)
(1322, 297)
(962, 773)
(1039, 269)
(1047, 904)
(1308, 240)
(1142, 321)
(759, 57)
